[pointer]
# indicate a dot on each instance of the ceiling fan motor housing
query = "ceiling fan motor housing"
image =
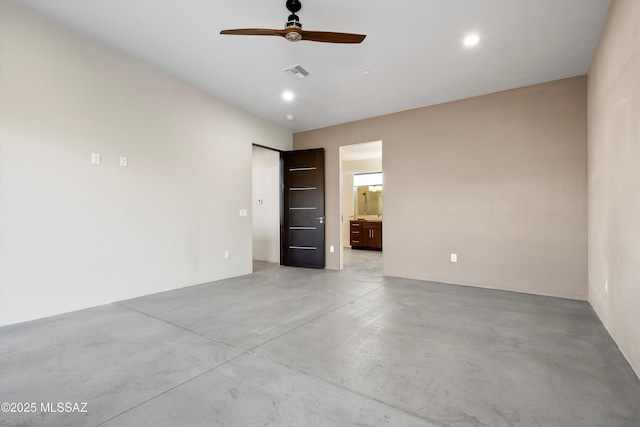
(293, 22)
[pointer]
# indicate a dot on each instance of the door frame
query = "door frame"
(341, 192)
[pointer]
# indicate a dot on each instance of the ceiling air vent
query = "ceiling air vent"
(297, 72)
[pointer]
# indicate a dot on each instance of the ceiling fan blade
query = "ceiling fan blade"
(329, 37)
(254, 32)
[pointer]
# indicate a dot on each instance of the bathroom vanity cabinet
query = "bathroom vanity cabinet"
(366, 234)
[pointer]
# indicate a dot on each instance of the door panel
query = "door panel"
(303, 198)
(303, 179)
(302, 225)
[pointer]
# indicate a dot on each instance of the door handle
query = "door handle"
(321, 219)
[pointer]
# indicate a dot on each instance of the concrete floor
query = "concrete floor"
(361, 261)
(294, 347)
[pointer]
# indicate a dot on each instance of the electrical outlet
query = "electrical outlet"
(454, 257)
(95, 158)
(332, 249)
(227, 255)
(124, 162)
(243, 213)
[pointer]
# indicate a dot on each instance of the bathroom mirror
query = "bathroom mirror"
(368, 200)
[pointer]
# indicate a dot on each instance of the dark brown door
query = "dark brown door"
(302, 224)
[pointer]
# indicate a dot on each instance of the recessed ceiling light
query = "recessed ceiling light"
(365, 72)
(471, 40)
(287, 96)
(290, 117)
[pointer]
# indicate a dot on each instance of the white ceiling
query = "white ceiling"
(413, 49)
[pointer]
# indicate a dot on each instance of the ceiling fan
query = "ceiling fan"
(293, 30)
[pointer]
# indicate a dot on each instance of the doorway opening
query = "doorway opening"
(265, 204)
(361, 193)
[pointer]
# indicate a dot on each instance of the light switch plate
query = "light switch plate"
(95, 158)
(243, 213)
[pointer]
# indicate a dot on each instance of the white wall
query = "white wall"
(74, 235)
(348, 208)
(266, 215)
(614, 178)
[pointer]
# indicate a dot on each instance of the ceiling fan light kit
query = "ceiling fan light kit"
(293, 30)
(293, 36)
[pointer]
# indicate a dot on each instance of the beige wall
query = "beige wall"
(498, 179)
(614, 178)
(74, 235)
